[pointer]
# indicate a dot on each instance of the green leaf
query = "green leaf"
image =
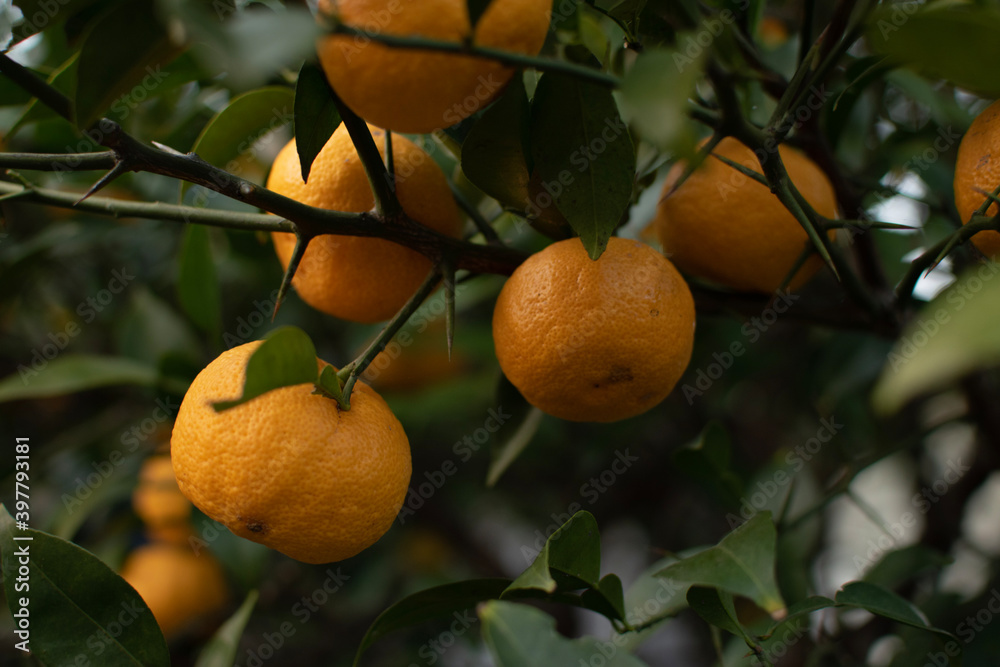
(287, 357)
(902, 565)
(221, 650)
(316, 116)
(925, 38)
(329, 384)
(584, 156)
(70, 373)
(76, 604)
(521, 636)
(232, 132)
(495, 154)
(883, 602)
(715, 608)
(476, 10)
(525, 417)
(437, 602)
(952, 336)
(651, 598)
(121, 56)
(655, 95)
(742, 564)
(197, 282)
(707, 460)
(573, 550)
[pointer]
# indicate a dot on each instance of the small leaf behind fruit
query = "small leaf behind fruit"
(287, 357)
(316, 115)
(584, 155)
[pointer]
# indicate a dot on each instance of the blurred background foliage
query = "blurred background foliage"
(92, 422)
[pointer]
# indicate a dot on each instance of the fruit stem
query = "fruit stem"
(350, 373)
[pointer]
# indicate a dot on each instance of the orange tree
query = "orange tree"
(819, 487)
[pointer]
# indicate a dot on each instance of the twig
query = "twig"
(506, 57)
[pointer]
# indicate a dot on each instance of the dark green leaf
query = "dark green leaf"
(521, 636)
(76, 606)
(69, 373)
(437, 602)
(232, 133)
(715, 608)
(584, 156)
(197, 282)
(925, 37)
(316, 116)
(883, 602)
(221, 649)
(524, 416)
(742, 564)
(707, 460)
(655, 95)
(902, 565)
(476, 10)
(287, 357)
(574, 549)
(121, 59)
(495, 155)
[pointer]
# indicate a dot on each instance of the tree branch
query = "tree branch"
(467, 49)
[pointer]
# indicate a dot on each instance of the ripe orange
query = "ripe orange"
(354, 278)
(597, 341)
(157, 500)
(977, 172)
(179, 587)
(725, 227)
(289, 469)
(419, 90)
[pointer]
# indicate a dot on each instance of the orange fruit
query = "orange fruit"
(723, 226)
(597, 341)
(181, 588)
(977, 172)
(290, 469)
(356, 278)
(412, 90)
(157, 500)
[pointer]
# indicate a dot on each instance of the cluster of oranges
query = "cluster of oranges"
(181, 587)
(585, 340)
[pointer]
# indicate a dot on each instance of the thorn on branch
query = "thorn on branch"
(120, 168)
